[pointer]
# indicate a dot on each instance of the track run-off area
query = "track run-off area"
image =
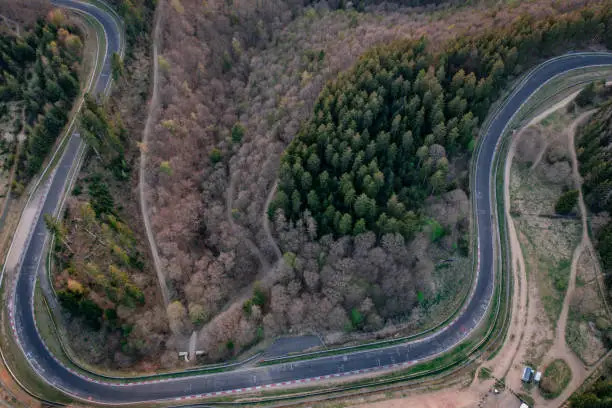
(472, 315)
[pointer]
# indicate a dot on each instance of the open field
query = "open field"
(540, 171)
(539, 174)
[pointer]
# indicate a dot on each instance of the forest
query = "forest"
(352, 182)
(107, 264)
(593, 146)
(382, 135)
(214, 245)
(40, 70)
(248, 78)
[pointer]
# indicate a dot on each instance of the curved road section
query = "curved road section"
(77, 385)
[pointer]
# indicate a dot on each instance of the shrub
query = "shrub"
(356, 319)
(566, 202)
(237, 132)
(556, 377)
(215, 156)
(586, 96)
(197, 314)
(437, 231)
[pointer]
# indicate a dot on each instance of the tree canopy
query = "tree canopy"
(40, 71)
(384, 134)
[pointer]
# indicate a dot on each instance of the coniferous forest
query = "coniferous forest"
(384, 134)
(40, 71)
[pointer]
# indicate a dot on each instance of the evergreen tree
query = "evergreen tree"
(384, 134)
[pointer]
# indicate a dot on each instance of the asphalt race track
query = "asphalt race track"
(265, 377)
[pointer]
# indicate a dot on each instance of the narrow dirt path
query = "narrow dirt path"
(586, 244)
(523, 311)
(144, 206)
(266, 267)
(562, 322)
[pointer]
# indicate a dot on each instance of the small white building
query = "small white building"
(538, 377)
(523, 405)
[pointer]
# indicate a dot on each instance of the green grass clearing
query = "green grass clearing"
(556, 377)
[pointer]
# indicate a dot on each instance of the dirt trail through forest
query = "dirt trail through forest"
(266, 221)
(562, 321)
(586, 244)
(266, 267)
(144, 205)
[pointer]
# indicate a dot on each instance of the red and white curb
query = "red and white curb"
(295, 382)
